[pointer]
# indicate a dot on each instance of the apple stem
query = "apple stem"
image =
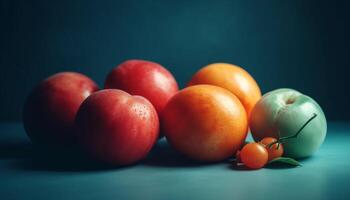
(284, 139)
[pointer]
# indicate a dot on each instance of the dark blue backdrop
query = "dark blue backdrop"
(298, 44)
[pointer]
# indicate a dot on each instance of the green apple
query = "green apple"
(282, 113)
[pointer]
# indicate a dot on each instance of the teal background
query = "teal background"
(298, 44)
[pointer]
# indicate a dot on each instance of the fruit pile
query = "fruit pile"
(206, 121)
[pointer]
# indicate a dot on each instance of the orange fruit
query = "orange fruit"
(233, 78)
(205, 122)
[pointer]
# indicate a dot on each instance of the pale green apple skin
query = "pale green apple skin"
(284, 111)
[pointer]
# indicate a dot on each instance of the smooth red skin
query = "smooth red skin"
(144, 78)
(116, 127)
(50, 109)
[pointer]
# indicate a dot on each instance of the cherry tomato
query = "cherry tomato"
(275, 150)
(254, 155)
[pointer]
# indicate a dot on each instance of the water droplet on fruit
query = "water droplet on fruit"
(141, 110)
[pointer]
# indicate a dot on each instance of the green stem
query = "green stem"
(284, 139)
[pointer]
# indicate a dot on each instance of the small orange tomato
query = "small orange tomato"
(275, 150)
(254, 155)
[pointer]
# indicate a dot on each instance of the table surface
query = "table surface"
(167, 175)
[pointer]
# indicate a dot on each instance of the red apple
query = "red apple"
(144, 78)
(116, 127)
(50, 109)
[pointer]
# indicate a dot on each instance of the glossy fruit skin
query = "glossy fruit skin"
(285, 111)
(144, 78)
(275, 150)
(254, 155)
(116, 127)
(205, 122)
(233, 78)
(50, 109)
